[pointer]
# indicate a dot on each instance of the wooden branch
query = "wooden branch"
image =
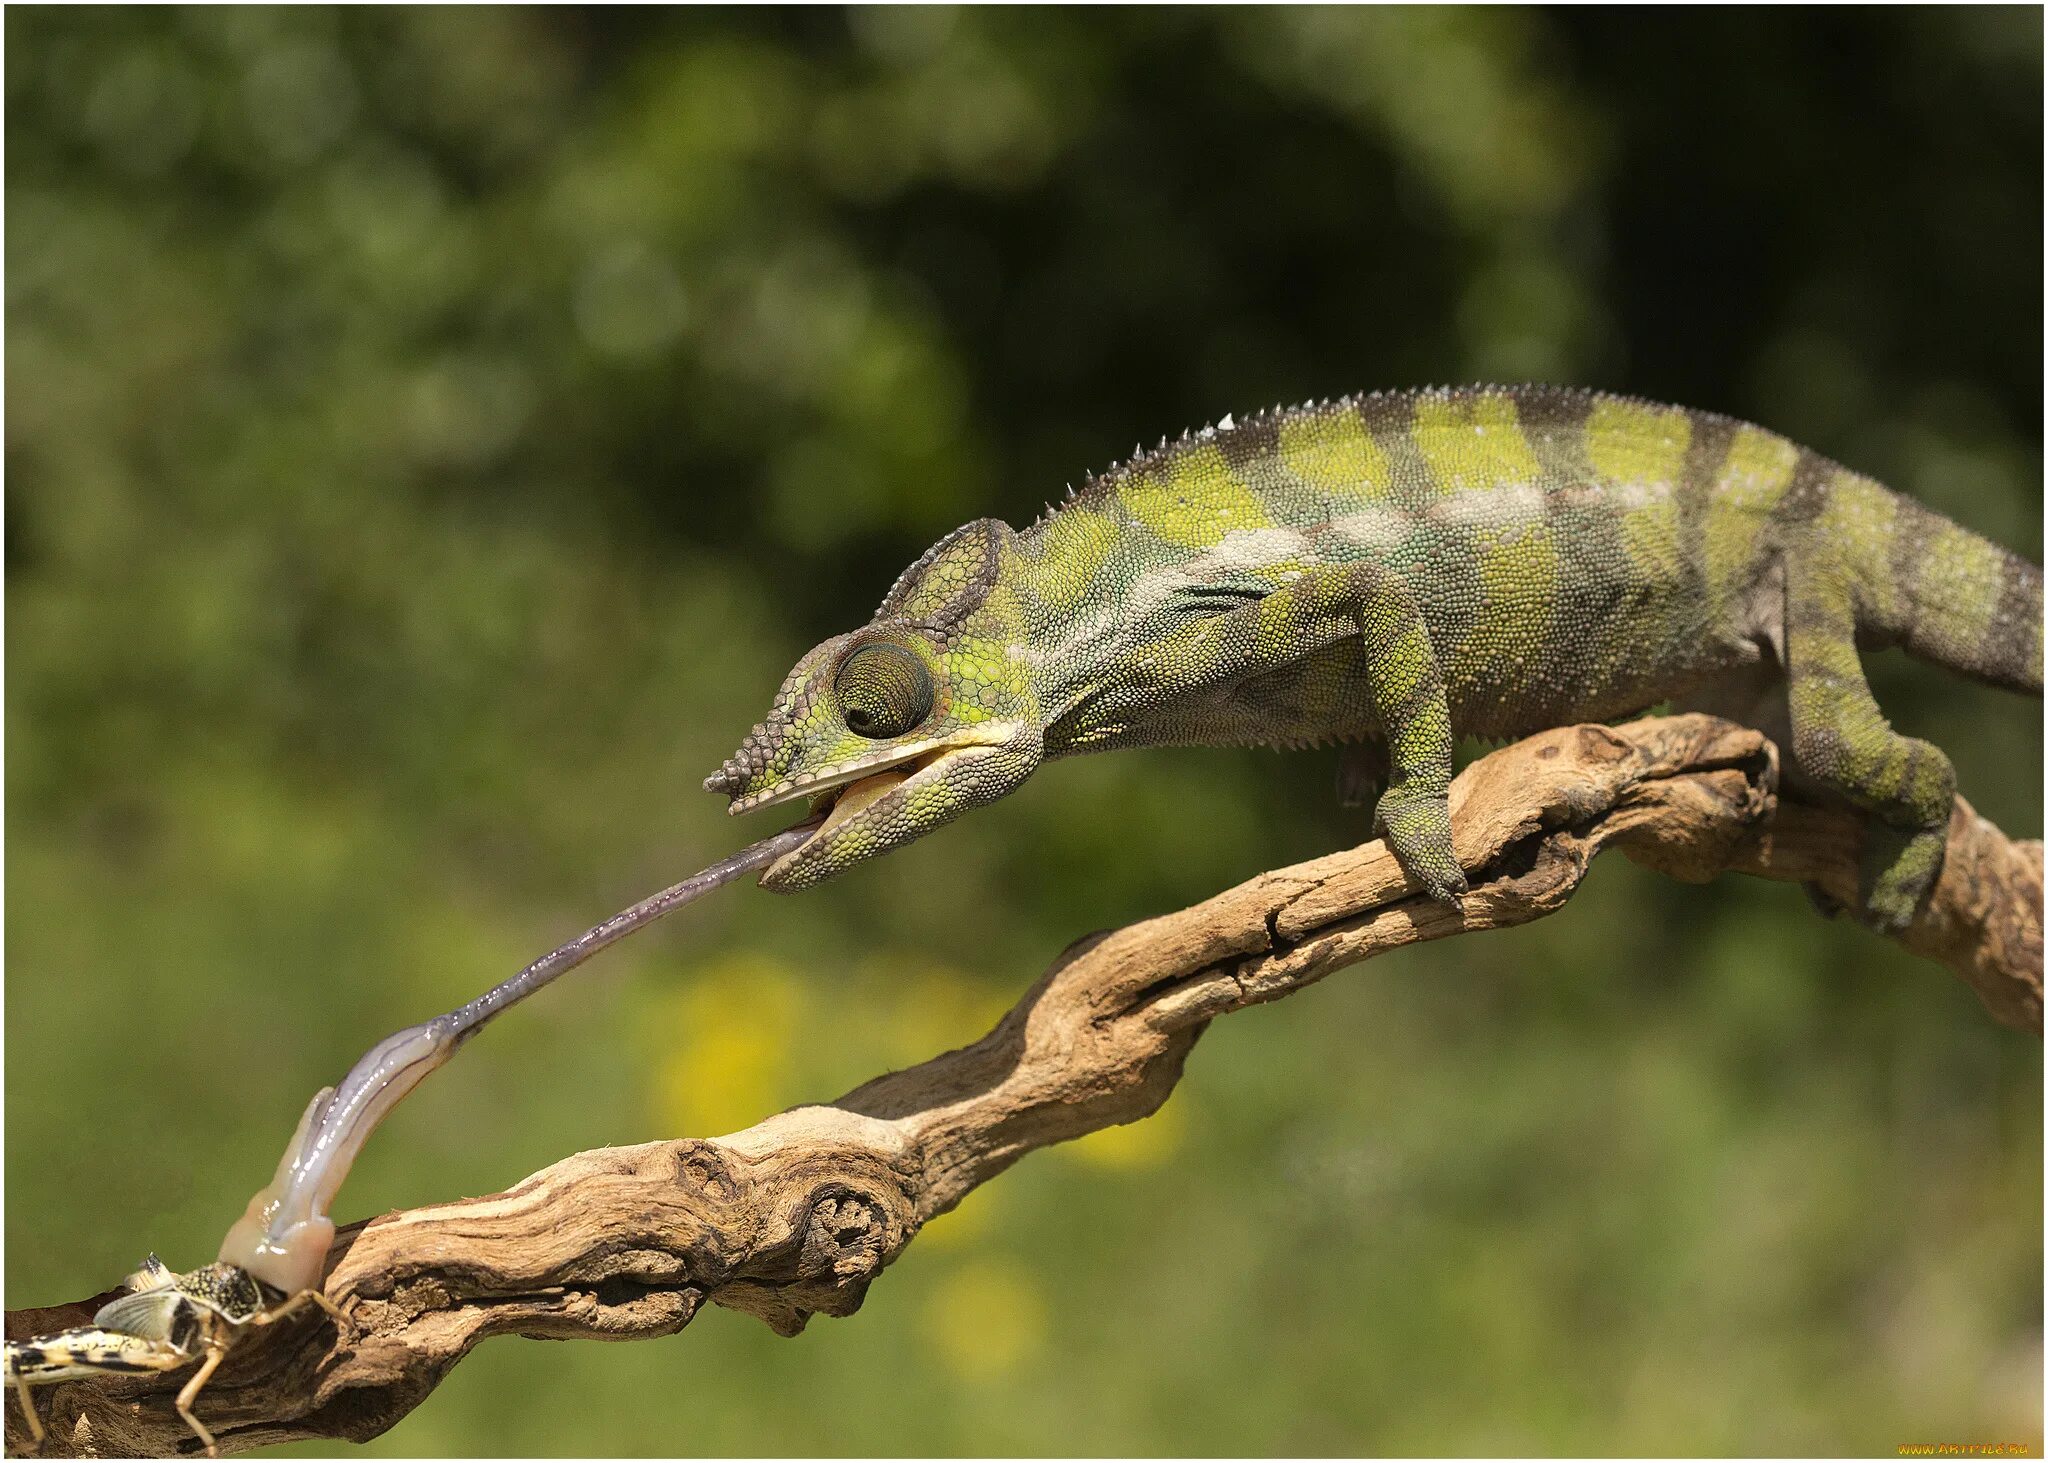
(797, 1215)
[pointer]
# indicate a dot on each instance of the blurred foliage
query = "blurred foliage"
(432, 434)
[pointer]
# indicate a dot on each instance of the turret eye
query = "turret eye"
(884, 691)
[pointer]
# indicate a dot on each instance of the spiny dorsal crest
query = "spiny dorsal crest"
(1143, 460)
(953, 577)
(1372, 403)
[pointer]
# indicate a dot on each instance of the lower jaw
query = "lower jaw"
(866, 791)
(840, 806)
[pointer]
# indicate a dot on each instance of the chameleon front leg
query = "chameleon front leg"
(1310, 612)
(1361, 773)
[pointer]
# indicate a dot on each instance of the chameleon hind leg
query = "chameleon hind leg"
(1841, 740)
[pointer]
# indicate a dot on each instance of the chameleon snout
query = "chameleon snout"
(741, 773)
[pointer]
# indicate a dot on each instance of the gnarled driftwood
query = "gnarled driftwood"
(798, 1214)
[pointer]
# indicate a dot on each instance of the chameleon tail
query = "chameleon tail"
(1948, 595)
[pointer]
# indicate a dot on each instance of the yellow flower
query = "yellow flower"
(932, 1007)
(961, 1226)
(724, 1041)
(1132, 1147)
(985, 1319)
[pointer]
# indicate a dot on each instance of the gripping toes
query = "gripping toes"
(1895, 877)
(1417, 826)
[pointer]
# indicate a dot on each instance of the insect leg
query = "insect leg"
(190, 1394)
(28, 1409)
(89, 1351)
(297, 1302)
(86, 1351)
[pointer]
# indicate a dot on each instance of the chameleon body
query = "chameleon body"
(1393, 571)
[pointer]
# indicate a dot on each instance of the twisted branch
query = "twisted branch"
(797, 1215)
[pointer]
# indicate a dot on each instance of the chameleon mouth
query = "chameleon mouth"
(854, 798)
(913, 758)
(884, 807)
(828, 779)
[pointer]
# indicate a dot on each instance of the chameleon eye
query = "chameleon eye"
(884, 691)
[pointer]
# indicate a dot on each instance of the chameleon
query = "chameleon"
(1391, 572)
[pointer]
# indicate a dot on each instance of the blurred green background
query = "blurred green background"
(431, 435)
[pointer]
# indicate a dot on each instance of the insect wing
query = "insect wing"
(147, 1313)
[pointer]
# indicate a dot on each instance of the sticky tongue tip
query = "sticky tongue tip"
(284, 1234)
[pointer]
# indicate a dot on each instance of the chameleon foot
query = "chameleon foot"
(1418, 829)
(1899, 868)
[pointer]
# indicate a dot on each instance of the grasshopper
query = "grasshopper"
(273, 1258)
(166, 1321)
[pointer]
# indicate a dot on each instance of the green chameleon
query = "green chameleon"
(1395, 571)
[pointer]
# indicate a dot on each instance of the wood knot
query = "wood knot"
(843, 1237)
(1598, 745)
(707, 1168)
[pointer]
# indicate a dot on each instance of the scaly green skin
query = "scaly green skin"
(1397, 570)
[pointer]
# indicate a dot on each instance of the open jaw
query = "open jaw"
(855, 795)
(828, 783)
(850, 797)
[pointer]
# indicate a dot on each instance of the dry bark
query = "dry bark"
(797, 1215)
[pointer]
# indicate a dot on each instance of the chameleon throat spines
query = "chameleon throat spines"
(1402, 566)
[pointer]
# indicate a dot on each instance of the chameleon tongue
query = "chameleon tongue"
(284, 1235)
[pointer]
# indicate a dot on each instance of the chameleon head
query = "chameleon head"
(902, 725)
